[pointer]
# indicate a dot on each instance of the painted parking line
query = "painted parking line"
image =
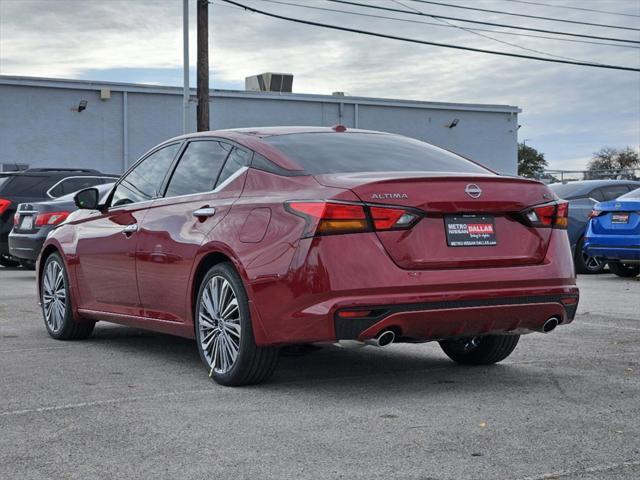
(578, 473)
(616, 327)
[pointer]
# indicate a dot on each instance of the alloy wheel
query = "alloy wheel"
(593, 264)
(219, 324)
(54, 296)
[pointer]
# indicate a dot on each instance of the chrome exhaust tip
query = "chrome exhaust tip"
(383, 339)
(550, 324)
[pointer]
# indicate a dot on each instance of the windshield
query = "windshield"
(632, 195)
(320, 153)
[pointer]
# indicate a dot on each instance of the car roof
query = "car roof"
(252, 138)
(262, 132)
(585, 186)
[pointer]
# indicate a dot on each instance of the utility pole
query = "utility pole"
(203, 65)
(185, 66)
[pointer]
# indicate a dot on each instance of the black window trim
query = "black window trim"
(216, 187)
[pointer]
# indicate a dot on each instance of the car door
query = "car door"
(106, 245)
(208, 178)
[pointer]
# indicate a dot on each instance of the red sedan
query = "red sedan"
(252, 239)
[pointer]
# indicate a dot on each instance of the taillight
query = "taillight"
(51, 218)
(391, 218)
(4, 204)
(555, 215)
(328, 218)
(16, 219)
(595, 213)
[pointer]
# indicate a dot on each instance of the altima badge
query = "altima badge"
(388, 196)
(473, 190)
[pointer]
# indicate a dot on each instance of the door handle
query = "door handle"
(130, 229)
(204, 212)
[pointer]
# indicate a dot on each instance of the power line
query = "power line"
(573, 8)
(550, 19)
(555, 32)
(511, 44)
(424, 42)
(421, 22)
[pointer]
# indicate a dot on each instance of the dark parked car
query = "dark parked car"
(35, 185)
(34, 221)
(582, 196)
(248, 240)
(614, 234)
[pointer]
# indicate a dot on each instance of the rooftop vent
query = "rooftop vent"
(13, 167)
(269, 82)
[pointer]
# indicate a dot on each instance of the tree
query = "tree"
(531, 163)
(613, 161)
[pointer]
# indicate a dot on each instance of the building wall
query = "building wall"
(40, 124)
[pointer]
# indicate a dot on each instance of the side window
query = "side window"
(238, 159)
(596, 195)
(70, 185)
(57, 191)
(613, 192)
(144, 181)
(198, 168)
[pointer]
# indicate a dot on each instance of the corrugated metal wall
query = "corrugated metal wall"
(40, 124)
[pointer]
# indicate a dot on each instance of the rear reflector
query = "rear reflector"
(553, 215)
(328, 218)
(4, 204)
(51, 218)
(354, 313)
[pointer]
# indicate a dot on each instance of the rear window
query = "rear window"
(320, 153)
(632, 195)
(3, 180)
(566, 190)
(29, 186)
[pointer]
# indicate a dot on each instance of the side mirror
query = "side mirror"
(88, 199)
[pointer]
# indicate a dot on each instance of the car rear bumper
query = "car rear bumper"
(449, 319)
(614, 253)
(614, 247)
(4, 237)
(26, 246)
(352, 272)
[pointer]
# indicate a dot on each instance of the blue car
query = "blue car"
(614, 234)
(582, 197)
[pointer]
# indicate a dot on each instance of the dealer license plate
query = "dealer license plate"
(620, 218)
(26, 223)
(470, 230)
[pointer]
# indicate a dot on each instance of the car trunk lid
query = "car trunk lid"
(471, 220)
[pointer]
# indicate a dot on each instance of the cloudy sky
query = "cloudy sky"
(568, 111)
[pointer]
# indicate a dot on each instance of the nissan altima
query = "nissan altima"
(249, 240)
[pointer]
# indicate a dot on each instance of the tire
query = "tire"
(225, 340)
(586, 264)
(55, 298)
(7, 261)
(622, 270)
(480, 350)
(27, 264)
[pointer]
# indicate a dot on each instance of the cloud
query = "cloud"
(568, 112)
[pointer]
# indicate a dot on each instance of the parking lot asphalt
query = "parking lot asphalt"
(132, 404)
